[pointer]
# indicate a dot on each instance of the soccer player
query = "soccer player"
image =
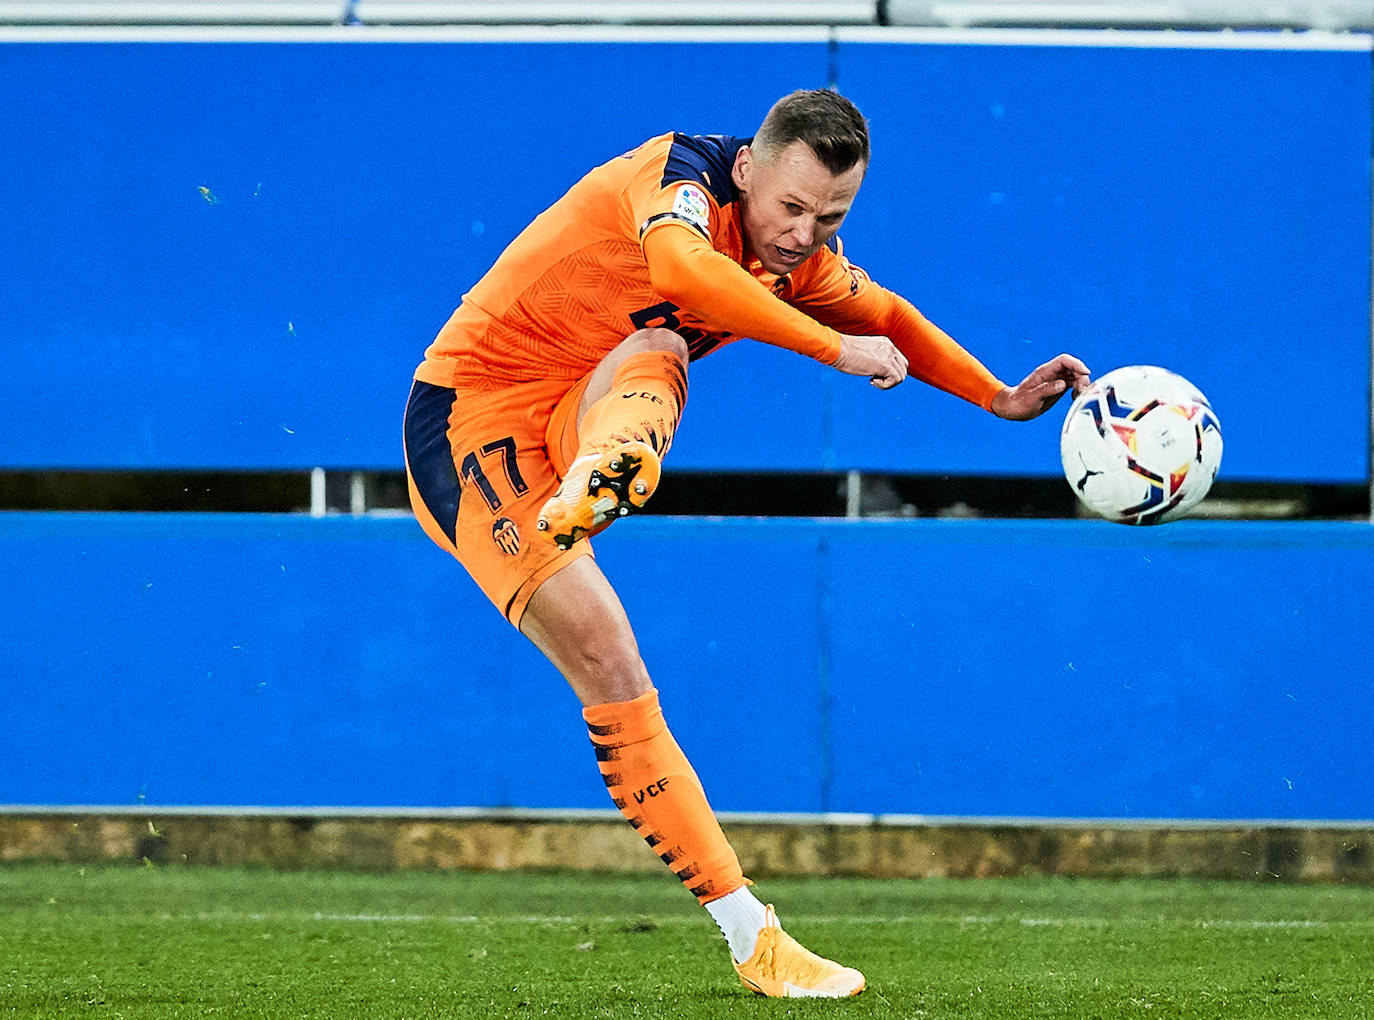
(544, 407)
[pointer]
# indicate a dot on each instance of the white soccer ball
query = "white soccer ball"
(1141, 445)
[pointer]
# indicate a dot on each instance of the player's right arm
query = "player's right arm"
(685, 269)
(874, 356)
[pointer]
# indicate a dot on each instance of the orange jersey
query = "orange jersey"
(653, 238)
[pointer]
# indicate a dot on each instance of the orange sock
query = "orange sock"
(655, 787)
(648, 391)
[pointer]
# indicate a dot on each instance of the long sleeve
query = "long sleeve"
(842, 296)
(685, 269)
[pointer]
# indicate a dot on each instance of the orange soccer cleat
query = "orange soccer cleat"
(599, 489)
(783, 968)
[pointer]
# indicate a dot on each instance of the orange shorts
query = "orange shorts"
(481, 465)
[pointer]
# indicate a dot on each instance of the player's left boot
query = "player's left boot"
(599, 489)
(783, 968)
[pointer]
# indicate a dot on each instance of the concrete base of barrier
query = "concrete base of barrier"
(887, 847)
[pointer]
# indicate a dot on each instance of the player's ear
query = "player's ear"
(739, 173)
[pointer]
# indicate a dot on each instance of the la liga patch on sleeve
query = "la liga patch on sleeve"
(690, 203)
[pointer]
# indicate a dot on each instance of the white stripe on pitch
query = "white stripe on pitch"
(838, 819)
(1277, 924)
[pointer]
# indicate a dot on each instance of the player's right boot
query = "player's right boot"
(782, 968)
(598, 490)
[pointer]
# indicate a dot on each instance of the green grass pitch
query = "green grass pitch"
(115, 942)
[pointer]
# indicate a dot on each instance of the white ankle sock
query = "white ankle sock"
(739, 915)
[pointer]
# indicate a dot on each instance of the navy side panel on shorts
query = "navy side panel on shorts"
(706, 159)
(428, 455)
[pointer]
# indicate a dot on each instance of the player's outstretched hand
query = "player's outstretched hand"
(1040, 390)
(874, 356)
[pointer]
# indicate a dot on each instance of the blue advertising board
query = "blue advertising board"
(982, 668)
(232, 255)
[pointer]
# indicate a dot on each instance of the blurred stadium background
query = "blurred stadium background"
(230, 229)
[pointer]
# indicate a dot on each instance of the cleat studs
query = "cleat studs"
(640, 488)
(543, 524)
(622, 511)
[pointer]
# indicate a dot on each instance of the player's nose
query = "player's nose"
(804, 233)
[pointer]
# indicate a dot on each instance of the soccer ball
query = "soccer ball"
(1141, 445)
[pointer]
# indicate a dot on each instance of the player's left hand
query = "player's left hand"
(1040, 390)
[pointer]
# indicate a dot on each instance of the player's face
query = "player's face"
(791, 204)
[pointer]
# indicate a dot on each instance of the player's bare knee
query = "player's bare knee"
(608, 657)
(608, 674)
(645, 341)
(657, 338)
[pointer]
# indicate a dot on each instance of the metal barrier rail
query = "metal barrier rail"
(1327, 15)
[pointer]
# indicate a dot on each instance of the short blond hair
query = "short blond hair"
(826, 121)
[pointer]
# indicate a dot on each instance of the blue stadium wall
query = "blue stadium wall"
(1058, 668)
(232, 255)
